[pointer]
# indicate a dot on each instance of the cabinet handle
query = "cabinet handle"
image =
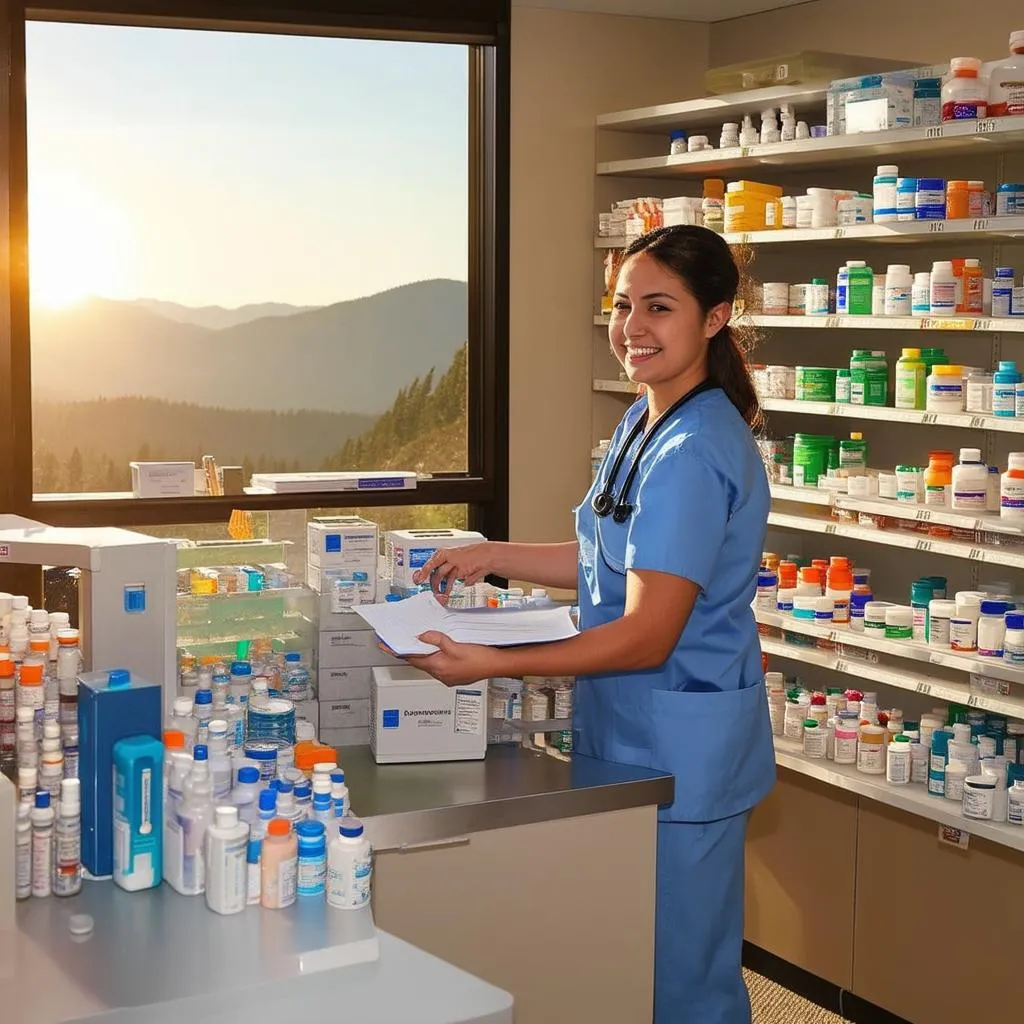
(428, 845)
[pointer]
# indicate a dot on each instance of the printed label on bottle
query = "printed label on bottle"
(287, 874)
(255, 886)
(970, 500)
(919, 770)
(312, 876)
(23, 866)
(965, 110)
(990, 652)
(937, 496)
(42, 863)
(919, 629)
(871, 758)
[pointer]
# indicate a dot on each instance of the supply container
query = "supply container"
(992, 629)
(1011, 489)
(878, 288)
(1004, 385)
(810, 458)
(856, 210)
(1009, 199)
(945, 389)
(942, 300)
(899, 623)
(844, 386)
(909, 484)
(957, 200)
(884, 207)
(798, 299)
(906, 198)
(940, 613)
(978, 393)
(938, 480)
(1013, 641)
(927, 102)
(871, 750)
(921, 294)
(1002, 290)
(930, 199)
(853, 456)
(312, 858)
(845, 740)
(970, 482)
(1006, 81)
(898, 761)
(279, 866)
(349, 867)
(956, 775)
(971, 289)
(869, 378)
(815, 384)
(874, 617)
(921, 596)
(226, 845)
(898, 290)
(815, 740)
(776, 299)
(910, 380)
(860, 288)
(817, 298)
(979, 796)
(138, 812)
(965, 92)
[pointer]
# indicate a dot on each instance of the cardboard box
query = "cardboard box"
(345, 714)
(345, 683)
(342, 542)
(322, 581)
(310, 711)
(351, 649)
(163, 479)
(345, 737)
(409, 550)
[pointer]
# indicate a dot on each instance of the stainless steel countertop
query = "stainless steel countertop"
(406, 805)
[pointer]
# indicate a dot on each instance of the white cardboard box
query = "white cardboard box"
(342, 542)
(345, 737)
(310, 711)
(345, 683)
(416, 718)
(322, 580)
(409, 550)
(345, 714)
(163, 479)
(342, 648)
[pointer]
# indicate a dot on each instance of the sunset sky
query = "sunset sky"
(227, 168)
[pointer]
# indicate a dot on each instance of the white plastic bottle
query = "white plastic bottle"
(322, 808)
(339, 794)
(769, 127)
(67, 841)
(23, 852)
(970, 482)
(899, 286)
(246, 794)
(51, 762)
(942, 301)
(898, 761)
(226, 844)
(349, 867)
(42, 845)
(220, 760)
(194, 817)
(1006, 82)
(921, 295)
(1011, 488)
(884, 205)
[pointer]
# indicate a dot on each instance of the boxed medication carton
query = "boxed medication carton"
(342, 542)
(345, 714)
(409, 550)
(345, 683)
(340, 648)
(341, 589)
(416, 718)
(163, 479)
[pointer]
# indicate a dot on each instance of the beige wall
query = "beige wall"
(839, 27)
(566, 69)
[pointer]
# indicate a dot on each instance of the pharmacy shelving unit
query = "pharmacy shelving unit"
(969, 550)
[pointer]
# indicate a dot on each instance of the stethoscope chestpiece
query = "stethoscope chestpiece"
(603, 504)
(622, 512)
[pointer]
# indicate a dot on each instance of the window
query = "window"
(284, 247)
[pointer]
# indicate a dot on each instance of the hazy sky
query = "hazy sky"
(229, 168)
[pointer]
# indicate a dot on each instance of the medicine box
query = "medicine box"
(409, 550)
(345, 737)
(345, 683)
(345, 714)
(335, 599)
(163, 479)
(415, 718)
(342, 542)
(340, 648)
(111, 706)
(870, 103)
(310, 711)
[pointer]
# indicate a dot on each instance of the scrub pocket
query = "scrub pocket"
(718, 745)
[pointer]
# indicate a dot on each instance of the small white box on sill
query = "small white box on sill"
(163, 479)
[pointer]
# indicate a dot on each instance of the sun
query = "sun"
(78, 246)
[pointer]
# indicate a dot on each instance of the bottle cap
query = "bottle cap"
(337, 776)
(268, 799)
(241, 668)
(118, 678)
(31, 674)
(302, 790)
(200, 752)
(352, 828)
(226, 816)
(324, 767)
(901, 739)
(284, 787)
(310, 829)
(183, 706)
(292, 656)
(279, 827)
(42, 798)
(174, 739)
(204, 697)
(248, 775)
(51, 731)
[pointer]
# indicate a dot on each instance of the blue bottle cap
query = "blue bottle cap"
(203, 697)
(253, 851)
(42, 798)
(275, 785)
(248, 774)
(930, 184)
(994, 608)
(678, 133)
(241, 668)
(1015, 621)
(200, 752)
(118, 677)
(360, 577)
(293, 656)
(350, 828)
(310, 829)
(284, 786)
(268, 799)
(302, 790)
(337, 776)
(391, 598)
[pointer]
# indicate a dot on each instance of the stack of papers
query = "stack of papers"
(400, 623)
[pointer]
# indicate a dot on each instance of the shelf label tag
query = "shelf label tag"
(936, 227)
(987, 126)
(973, 700)
(956, 837)
(841, 666)
(981, 225)
(935, 132)
(924, 688)
(982, 325)
(930, 418)
(840, 233)
(831, 321)
(977, 421)
(936, 324)
(924, 515)
(830, 528)
(923, 545)
(977, 555)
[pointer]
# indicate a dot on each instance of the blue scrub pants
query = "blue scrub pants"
(699, 923)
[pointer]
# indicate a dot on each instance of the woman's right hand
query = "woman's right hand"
(469, 563)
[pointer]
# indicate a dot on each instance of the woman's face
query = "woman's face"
(658, 332)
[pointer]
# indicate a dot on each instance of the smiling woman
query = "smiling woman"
(78, 246)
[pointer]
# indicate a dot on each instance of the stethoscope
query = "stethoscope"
(604, 503)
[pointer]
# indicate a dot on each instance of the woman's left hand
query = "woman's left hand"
(454, 664)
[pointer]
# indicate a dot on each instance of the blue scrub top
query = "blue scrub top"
(700, 509)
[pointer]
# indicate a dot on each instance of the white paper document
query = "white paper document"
(400, 623)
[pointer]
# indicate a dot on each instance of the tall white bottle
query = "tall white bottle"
(195, 815)
(349, 866)
(227, 841)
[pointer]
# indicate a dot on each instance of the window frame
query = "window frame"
(483, 26)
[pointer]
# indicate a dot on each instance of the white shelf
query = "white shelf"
(966, 420)
(913, 798)
(713, 110)
(992, 522)
(620, 387)
(846, 638)
(994, 134)
(967, 324)
(919, 232)
(898, 539)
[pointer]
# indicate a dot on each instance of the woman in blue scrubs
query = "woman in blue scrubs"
(668, 663)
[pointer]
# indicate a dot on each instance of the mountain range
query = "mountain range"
(349, 357)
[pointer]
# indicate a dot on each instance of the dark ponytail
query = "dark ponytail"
(703, 261)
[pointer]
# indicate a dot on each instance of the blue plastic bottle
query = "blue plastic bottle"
(937, 764)
(1004, 388)
(312, 872)
(138, 812)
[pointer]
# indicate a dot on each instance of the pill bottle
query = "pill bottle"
(909, 484)
(938, 480)
(1006, 81)
(1015, 803)
(957, 200)
(921, 596)
(910, 380)
(965, 93)
(874, 617)
(857, 604)
(795, 715)
(677, 142)
(898, 761)
(955, 775)
(730, 137)
(845, 740)
(884, 206)
(918, 763)
(1002, 291)
(940, 613)
(784, 605)
(970, 482)
(978, 393)
(839, 591)
(991, 629)
(878, 295)
(777, 710)
(1011, 489)
(1004, 388)
(906, 198)
(963, 634)
(979, 201)
(899, 623)
(842, 286)
(930, 199)
(869, 378)
(860, 288)
(776, 299)
(817, 298)
(942, 299)
(944, 390)
(921, 294)
(898, 290)
(971, 293)
(979, 797)
(844, 387)
(815, 739)
(871, 750)
(798, 299)
(279, 866)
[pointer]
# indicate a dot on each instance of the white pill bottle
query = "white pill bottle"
(349, 866)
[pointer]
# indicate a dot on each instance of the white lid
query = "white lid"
(897, 270)
(218, 727)
(972, 263)
(876, 610)
(70, 796)
(259, 684)
(965, 64)
(40, 617)
(321, 785)
(324, 767)
(774, 679)
(970, 455)
(27, 778)
(856, 264)
(887, 171)
(19, 602)
(59, 618)
(67, 634)
(804, 602)
(1015, 460)
(1017, 38)
(226, 816)
(942, 607)
(942, 267)
(183, 705)
(922, 277)
(961, 732)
